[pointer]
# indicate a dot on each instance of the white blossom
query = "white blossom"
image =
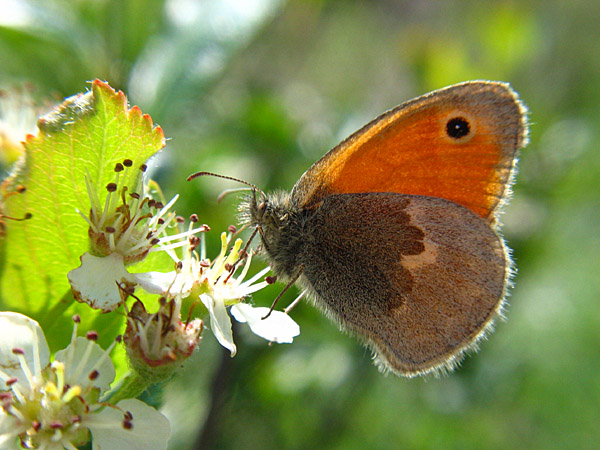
(55, 405)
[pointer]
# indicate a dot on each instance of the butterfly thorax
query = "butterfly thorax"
(280, 228)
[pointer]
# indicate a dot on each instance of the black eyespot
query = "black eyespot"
(458, 127)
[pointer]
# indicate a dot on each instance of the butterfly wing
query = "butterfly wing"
(457, 143)
(420, 287)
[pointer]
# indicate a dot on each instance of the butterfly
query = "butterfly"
(394, 233)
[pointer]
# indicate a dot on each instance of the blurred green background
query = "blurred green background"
(260, 89)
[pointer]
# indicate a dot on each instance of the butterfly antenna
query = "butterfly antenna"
(225, 177)
(226, 192)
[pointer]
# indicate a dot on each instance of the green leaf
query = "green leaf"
(85, 136)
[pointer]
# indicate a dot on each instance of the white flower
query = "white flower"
(96, 281)
(56, 405)
(129, 222)
(277, 327)
(218, 287)
(122, 232)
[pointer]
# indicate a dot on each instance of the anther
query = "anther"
(179, 219)
(111, 187)
(127, 163)
(93, 375)
(134, 195)
(91, 335)
(194, 218)
(271, 279)
(76, 318)
(18, 351)
(232, 229)
(154, 241)
(119, 167)
(110, 229)
(143, 167)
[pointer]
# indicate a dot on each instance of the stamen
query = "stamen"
(93, 196)
(295, 302)
(19, 353)
(87, 219)
(182, 235)
(59, 370)
(202, 247)
(92, 335)
(242, 275)
(83, 361)
(106, 354)
(52, 391)
(71, 393)
(258, 276)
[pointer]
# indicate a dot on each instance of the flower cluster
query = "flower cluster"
(128, 226)
(56, 405)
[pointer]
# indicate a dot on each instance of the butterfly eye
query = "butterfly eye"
(458, 127)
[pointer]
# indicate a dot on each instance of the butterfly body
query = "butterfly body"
(393, 233)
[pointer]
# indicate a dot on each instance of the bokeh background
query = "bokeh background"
(260, 89)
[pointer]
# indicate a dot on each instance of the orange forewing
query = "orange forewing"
(407, 150)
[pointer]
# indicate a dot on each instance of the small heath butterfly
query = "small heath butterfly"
(394, 232)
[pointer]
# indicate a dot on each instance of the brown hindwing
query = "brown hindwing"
(419, 287)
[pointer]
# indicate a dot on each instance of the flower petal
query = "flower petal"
(278, 327)
(220, 323)
(81, 358)
(151, 430)
(9, 429)
(95, 281)
(161, 283)
(19, 331)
